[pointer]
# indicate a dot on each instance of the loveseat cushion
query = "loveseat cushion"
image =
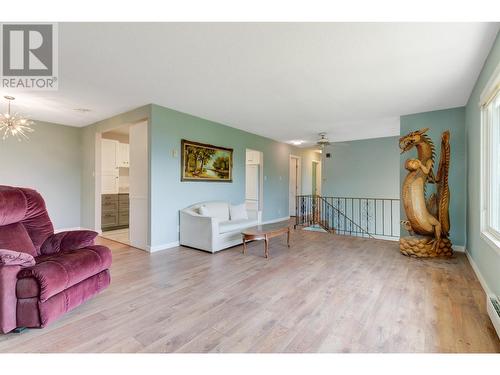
(57, 272)
(235, 225)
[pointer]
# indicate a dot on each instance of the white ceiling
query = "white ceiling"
(285, 81)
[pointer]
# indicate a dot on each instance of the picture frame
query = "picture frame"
(205, 162)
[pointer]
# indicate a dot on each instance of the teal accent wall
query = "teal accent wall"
(169, 194)
(366, 168)
(437, 122)
(49, 162)
(89, 133)
(486, 258)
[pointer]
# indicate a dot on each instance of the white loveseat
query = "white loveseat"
(215, 231)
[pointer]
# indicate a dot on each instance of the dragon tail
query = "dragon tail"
(443, 188)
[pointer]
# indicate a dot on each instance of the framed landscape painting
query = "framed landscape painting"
(203, 162)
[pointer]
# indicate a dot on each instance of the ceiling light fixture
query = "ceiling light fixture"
(297, 143)
(14, 124)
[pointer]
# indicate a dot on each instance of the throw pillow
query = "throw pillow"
(238, 212)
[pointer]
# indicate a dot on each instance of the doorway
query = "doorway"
(316, 177)
(294, 183)
(122, 175)
(254, 181)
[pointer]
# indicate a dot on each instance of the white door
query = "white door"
(252, 186)
(318, 178)
(293, 186)
(109, 166)
(139, 186)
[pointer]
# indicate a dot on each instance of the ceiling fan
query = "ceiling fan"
(323, 142)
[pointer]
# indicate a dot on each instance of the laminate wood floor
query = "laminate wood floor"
(326, 293)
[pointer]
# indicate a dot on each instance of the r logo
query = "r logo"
(27, 50)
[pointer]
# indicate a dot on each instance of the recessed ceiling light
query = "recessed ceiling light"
(297, 142)
(83, 110)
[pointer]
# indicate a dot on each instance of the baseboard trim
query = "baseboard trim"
(165, 246)
(459, 249)
(489, 294)
(276, 220)
(479, 276)
(385, 238)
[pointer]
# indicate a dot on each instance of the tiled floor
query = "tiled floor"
(119, 235)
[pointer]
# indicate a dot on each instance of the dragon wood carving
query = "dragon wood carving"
(427, 219)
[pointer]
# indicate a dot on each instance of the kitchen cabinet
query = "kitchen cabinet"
(109, 168)
(114, 155)
(123, 155)
(114, 211)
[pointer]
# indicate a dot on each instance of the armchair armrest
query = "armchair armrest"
(72, 240)
(11, 263)
(16, 258)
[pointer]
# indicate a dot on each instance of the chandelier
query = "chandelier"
(14, 124)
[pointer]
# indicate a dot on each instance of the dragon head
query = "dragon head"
(412, 139)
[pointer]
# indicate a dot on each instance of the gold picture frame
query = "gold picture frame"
(205, 162)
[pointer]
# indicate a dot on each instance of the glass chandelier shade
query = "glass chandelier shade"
(14, 125)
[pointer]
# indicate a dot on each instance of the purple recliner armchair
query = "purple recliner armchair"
(43, 274)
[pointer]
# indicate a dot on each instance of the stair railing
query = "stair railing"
(361, 217)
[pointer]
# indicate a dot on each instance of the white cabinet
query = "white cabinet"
(114, 155)
(109, 154)
(123, 155)
(252, 157)
(109, 166)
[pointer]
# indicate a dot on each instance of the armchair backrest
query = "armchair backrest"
(24, 221)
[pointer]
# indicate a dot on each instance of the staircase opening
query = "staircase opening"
(358, 217)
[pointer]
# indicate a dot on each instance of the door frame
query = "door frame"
(98, 180)
(261, 180)
(298, 178)
(319, 177)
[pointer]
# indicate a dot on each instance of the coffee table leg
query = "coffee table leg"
(267, 247)
(244, 246)
(288, 238)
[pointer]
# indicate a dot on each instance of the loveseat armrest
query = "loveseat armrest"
(71, 240)
(198, 231)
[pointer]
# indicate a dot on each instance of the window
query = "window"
(490, 161)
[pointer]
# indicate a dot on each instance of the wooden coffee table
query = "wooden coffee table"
(266, 232)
